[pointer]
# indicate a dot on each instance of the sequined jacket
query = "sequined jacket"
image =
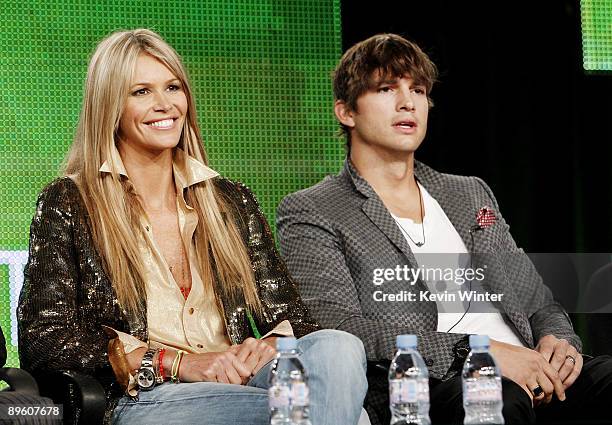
(67, 296)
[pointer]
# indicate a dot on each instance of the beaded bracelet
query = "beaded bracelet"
(160, 366)
(176, 364)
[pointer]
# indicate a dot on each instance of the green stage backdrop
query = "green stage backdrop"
(261, 75)
(596, 20)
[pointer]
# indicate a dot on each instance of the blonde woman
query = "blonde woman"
(147, 267)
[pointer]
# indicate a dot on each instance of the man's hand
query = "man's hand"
(563, 357)
(255, 353)
(529, 369)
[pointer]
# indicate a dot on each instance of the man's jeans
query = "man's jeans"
(334, 361)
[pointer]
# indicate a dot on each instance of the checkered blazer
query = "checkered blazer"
(334, 234)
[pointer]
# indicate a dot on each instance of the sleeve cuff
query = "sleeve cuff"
(130, 343)
(282, 329)
(120, 345)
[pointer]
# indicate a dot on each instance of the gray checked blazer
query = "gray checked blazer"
(334, 234)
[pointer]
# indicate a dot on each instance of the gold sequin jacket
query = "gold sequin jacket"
(67, 297)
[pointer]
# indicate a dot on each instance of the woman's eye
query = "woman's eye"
(384, 89)
(174, 87)
(419, 90)
(140, 92)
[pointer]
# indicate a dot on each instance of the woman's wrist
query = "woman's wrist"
(134, 358)
(168, 359)
(159, 366)
(176, 366)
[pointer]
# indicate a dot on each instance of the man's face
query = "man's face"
(391, 116)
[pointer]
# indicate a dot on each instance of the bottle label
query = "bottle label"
(279, 396)
(479, 390)
(295, 394)
(299, 394)
(404, 391)
(423, 391)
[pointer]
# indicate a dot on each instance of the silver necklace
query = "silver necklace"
(419, 244)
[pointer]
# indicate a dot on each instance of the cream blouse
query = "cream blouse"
(195, 324)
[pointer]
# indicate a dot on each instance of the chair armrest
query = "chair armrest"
(82, 395)
(19, 380)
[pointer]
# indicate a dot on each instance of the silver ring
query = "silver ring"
(571, 359)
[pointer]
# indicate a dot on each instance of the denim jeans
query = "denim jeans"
(336, 367)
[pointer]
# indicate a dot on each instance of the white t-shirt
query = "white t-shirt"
(445, 249)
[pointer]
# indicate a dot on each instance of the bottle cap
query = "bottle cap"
(286, 343)
(406, 341)
(479, 341)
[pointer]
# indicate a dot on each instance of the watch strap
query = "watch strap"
(147, 370)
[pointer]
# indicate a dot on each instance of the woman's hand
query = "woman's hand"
(223, 367)
(255, 353)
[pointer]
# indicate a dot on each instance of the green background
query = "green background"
(596, 34)
(260, 70)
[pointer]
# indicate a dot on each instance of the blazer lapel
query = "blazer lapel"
(462, 214)
(461, 211)
(376, 211)
(458, 209)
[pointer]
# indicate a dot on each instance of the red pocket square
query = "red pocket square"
(485, 217)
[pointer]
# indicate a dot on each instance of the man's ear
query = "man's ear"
(344, 113)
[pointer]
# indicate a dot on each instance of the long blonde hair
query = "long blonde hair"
(111, 200)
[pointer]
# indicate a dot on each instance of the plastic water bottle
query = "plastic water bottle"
(288, 391)
(408, 384)
(482, 385)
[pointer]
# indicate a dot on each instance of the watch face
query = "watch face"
(146, 378)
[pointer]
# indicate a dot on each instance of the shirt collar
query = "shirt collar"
(187, 169)
(429, 178)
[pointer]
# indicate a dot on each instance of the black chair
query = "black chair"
(598, 305)
(81, 396)
(22, 390)
(19, 381)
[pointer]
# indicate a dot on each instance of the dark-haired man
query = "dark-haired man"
(356, 243)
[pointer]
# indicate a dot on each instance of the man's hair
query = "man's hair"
(380, 57)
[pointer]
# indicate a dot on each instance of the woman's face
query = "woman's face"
(155, 108)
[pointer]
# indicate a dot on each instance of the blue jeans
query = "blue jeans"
(334, 361)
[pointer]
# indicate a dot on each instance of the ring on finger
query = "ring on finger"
(571, 359)
(537, 391)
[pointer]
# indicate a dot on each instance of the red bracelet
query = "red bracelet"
(160, 359)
